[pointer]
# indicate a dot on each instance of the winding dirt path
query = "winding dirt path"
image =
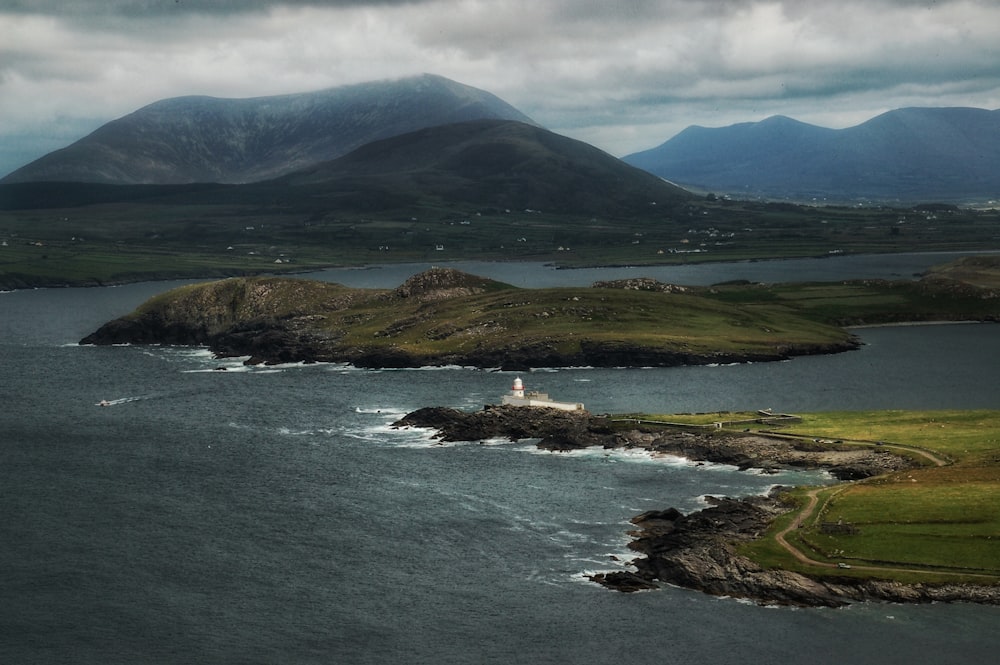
(812, 503)
(805, 513)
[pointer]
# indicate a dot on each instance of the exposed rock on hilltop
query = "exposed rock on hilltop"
(445, 317)
(444, 283)
(207, 139)
(641, 284)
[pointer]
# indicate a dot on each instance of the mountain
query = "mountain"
(207, 139)
(492, 163)
(478, 164)
(909, 155)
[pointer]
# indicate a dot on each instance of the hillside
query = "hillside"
(474, 165)
(490, 163)
(445, 317)
(906, 155)
(208, 139)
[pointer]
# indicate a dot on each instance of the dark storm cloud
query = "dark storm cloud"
(623, 74)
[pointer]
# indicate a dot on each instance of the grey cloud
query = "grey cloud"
(597, 69)
(139, 8)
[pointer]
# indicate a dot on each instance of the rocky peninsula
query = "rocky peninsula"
(700, 550)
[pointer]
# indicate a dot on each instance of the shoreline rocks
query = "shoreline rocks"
(699, 550)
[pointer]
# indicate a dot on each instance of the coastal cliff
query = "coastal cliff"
(701, 550)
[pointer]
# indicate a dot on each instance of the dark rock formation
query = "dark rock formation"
(555, 429)
(569, 430)
(699, 551)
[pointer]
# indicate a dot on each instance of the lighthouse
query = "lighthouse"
(518, 397)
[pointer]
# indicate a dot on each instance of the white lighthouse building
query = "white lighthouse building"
(519, 397)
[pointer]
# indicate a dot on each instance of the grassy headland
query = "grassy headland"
(939, 522)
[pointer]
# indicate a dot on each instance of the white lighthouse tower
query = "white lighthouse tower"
(517, 390)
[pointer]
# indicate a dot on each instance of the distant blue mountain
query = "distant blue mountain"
(906, 155)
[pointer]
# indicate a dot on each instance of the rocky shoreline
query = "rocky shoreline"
(699, 550)
(277, 342)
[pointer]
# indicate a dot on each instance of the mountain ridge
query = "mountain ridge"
(188, 139)
(908, 154)
(478, 164)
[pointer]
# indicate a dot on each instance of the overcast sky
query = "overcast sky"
(624, 75)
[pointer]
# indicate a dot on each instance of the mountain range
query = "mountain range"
(208, 139)
(372, 145)
(905, 155)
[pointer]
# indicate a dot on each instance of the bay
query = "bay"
(271, 515)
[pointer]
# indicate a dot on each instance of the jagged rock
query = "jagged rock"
(557, 430)
(623, 580)
(441, 283)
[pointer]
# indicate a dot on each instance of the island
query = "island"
(784, 548)
(447, 317)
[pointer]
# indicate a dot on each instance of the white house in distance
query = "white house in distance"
(518, 397)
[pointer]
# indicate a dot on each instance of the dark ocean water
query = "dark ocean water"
(271, 515)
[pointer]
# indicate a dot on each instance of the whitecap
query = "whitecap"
(120, 400)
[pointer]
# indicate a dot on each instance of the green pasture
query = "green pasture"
(968, 437)
(191, 236)
(932, 523)
(563, 317)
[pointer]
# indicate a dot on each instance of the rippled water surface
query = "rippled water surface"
(272, 515)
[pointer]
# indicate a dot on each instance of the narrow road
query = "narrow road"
(804, 514)
(813, 500)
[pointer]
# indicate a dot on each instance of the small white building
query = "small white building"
(519, 397)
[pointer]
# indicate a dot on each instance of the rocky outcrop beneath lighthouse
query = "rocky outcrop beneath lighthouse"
(570, 430)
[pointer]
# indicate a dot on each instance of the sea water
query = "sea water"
(274, 515)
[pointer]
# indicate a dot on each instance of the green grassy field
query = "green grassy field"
(149, 239)
(933, 523)
(501, 318)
